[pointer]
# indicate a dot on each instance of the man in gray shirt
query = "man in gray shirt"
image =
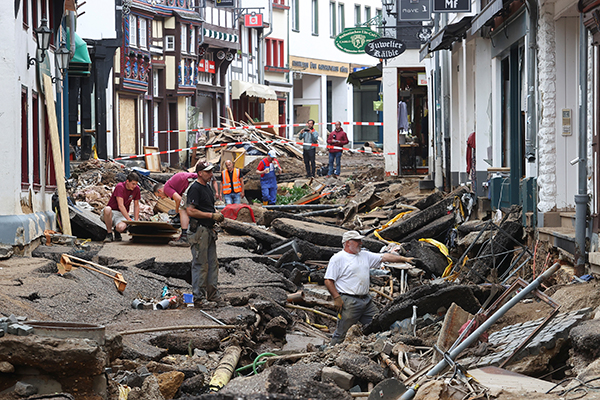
(310, 137)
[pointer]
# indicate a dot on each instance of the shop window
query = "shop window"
(357, 15)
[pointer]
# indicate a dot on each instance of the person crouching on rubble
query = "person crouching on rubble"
(347, 279)
(116, 211)
(268, 179)
(175, 189)
(202, 237)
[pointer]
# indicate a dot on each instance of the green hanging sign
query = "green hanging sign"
(353, 40)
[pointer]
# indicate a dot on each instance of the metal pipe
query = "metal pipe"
(531, 121)
(437, 89)
(581, 198)
(410, 393)
(332, 212)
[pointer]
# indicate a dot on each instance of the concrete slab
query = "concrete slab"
(498, 379)
(297, 343)
(318, 291)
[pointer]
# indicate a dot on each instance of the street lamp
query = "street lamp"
(389, 6)
(42, 35)
(62, 55)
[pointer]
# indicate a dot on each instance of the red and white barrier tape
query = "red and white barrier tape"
(268, 126)
(208, 146)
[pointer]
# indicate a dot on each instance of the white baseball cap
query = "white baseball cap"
(351, 235)
(272, 154)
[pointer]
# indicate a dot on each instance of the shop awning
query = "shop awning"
(450, 34)
(239, 88)
(485, 15)
(80, 64)
(364, 75)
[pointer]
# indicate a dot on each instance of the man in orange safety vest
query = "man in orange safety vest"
(232, 184)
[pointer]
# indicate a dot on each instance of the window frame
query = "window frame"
(193, 40)
(274, 53)
(367, 13)
(315, 17)
(183, 37)
(133, 33)
(295, 15)
(357, 14)
(143, 33)
(169, 42)
(332, 18)
(341, 17)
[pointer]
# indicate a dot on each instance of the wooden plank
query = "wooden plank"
(152, 161)
(57, 156)
(164, 205)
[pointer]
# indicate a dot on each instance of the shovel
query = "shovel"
(66, 264)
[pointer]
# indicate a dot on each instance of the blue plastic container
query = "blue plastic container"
(188, 298)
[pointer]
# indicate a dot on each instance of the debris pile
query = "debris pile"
(474, 315)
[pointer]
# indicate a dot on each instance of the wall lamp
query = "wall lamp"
(62, 56)
(389, 6)
(42, 35)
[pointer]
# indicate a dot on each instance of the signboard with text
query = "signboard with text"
(206, 66)
(224, 3)
(451, 6)
(353, 40)
(414, 10)
(385, 48)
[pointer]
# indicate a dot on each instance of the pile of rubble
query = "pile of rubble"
(463, 322)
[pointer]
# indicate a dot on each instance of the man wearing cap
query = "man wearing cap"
(200, 207)
(347, 279)
(268, 180)
(175, 189)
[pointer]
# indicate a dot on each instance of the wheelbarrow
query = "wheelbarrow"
(67, 262)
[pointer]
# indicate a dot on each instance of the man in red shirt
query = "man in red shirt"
(117, 210)
(268, 180)
(337, 138)
(175, 188)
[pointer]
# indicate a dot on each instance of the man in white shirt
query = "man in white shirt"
(347, 279)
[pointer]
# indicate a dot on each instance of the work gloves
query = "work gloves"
(218, 217)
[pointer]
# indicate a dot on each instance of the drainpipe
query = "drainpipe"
(446, 108)
(581, 199)
(437, 89)
(531, 83)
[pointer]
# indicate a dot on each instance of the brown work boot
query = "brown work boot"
(203, 303)
(181, 242)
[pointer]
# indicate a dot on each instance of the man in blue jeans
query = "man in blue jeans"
(310, 137)
(336, 140)
(347, 279)
(268, 179)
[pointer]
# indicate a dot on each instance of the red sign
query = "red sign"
(253, 20)
(206, 66)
